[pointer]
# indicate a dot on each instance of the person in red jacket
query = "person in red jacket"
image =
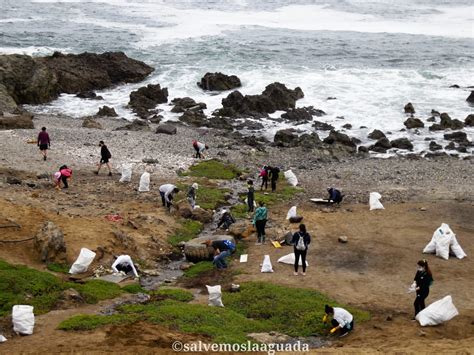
(66, 173)
(43, 142)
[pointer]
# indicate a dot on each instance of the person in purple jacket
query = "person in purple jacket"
(43, 142)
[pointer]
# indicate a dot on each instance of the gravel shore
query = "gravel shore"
(396, 178)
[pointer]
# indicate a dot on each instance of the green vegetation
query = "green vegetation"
(94, 291)
(176, 294)
(292, 311)
(199, 268)
(213, 169)
(55, 267)
(134, 288)
(88, 322)
(189, 229)
(210, 198)
(239, 210)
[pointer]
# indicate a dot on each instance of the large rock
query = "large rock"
(166, 128)
(302, 114)
(376, 134)
(381, 146)
(470, 98)
(469, 121)
(409, 108)
(186, 103)
(402, 143)
(136, 125)
(49, 243)
(196, 250)
(7, 104)
(336, 137)
(435, 146)
(309, 141)
(322, 126)
(39, 80)
(458, 136)
(286, 137)
(194, 118)
(89, 95)
(446, 122)
(24, 121)
(241, 229)
(282, 97)
(412, 122)
(91, 123)
(106, 111)
(219, 82)
(146, 98)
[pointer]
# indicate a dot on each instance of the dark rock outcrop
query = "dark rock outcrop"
(194, 118)
(446, 122)
(381, 146)
(470, 98)
(7, 104)
(136, 125)
(90, 95)
(89, 122)
(402, 143)
(186, 103)
(24, 121)
(469, 120)
(219, 82)
(409, 108)
(322, 126)
(146, 98)
(347, 126)
(460, 137)
(336, 137)
(412, 122)
(39, 80)
(302, 114)
(166, 128)
(106, 111)
(49, 243)
(435, 146)
(286, 138)
(376, 134)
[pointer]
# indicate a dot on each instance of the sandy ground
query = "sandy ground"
(372, 271)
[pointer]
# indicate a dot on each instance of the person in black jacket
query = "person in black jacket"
(104, 158)
(423, 280)
(250, 195)
(273, 175)
(226, 220)
(306, 240)
(335, 195)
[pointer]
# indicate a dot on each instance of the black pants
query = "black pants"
(344, 330)
(124, 267)
(264, 182)
(164, 202)
(274, 185)
(303, 258)
(64, 180)
(198, 153)
(260, 226)
(420, 301)
(250, 204)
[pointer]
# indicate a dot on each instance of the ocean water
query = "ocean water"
(373, 56)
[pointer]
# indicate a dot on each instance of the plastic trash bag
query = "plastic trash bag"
(442, 242)
(267, 264)
(412, 287)
(374, 202)
(290, 259)
(144, 182)
(126, 173)
(291, 178)
(291, 212)
(82, 262)
(437, 312)
(2, 339)
(23, 319)
(215, 296)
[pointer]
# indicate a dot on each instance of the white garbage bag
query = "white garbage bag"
(291, 212)
(2, 339)
(267, 264)
(442, 242)
(437, 312)
(23, 319)
(290, 259)
(374, 202)
(126, 173)
(215, 294)
(144, 182)
(82, 262)
(291, 178)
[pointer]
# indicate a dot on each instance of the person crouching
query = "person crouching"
(222, 249)
(342, 321)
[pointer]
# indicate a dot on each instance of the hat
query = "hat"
(195, 186)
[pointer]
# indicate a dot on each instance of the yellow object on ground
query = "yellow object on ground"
(276, 244)
(333, 330)
(325, 318)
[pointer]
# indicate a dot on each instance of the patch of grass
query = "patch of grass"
(22, 285)
(55, 267)
(209, 197)
(292, 311)
(89, 322)
(94, 291)
(239, 210)
(176, 294)
(213, 169)
(199, 268)
(134, 288)
(189, 229)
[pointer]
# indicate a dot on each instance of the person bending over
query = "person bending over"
(335, 195)
(167, 192)
(342, 321)
(226, 220)
(200, 148)
(222, 249)
(124, 263)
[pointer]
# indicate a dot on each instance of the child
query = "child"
(57, 179)
(66, 173)
(250, 195)
(264, 175)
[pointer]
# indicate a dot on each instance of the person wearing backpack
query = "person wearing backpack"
(423, 280)
(264, 175)
(104, 157)
(273, 175)
(222, 249)
(300, 241)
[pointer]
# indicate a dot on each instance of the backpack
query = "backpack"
(300, 245)
(230, 245)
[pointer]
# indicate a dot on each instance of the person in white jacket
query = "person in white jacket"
(124, 263)
(342, 321)
(167, 192)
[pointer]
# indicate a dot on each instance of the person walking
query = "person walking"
(423, 280)
(104, 157)
(200, 148)
(44, 143)
(259, 221)
(250, 196)
(300, 241)
(167, 192)
(192, 195)
(66, 173)
(342, 321)
(274, 174)
(264, 175)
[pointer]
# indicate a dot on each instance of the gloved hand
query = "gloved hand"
(325, 318)
(333, 330)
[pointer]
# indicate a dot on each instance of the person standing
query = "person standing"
(274, 173)
(423, 280)
(104, 157)
(259, 221)
(250, 195)
(222, 249)
(300, 241)
(44, 143)
(200, 148)
(66, 173)
(192, 195)
(264, 175)
(341, 321)
(167, 192)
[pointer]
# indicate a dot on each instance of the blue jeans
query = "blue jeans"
(219, 260)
